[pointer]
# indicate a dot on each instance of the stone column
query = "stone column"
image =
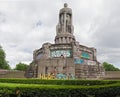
(59, 39)
(64, 41)
(68, 40)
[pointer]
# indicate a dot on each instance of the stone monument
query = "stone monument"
(66, 58)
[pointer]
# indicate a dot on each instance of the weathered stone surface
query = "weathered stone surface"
(66, 57)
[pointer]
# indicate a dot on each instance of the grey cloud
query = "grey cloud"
(28, 24)
(108, 33)
(2, 18)
(102, 30)
(111, 55)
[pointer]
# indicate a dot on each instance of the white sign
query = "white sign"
(91, 62)
(58, 53)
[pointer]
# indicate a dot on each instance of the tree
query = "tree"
(110, 67)
(21, 66)
(3, 63)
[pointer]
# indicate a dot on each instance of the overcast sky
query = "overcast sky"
(26, 24)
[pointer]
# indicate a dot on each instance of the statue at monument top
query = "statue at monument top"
(65, 5)
(66, 9)
(65, 20)
(64, 28)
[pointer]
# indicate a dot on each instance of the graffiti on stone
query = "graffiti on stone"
(56, 76)
(47, 76)
(61, 76)
(58, 53)
(39, 56)
(78, 61)
(85, 55)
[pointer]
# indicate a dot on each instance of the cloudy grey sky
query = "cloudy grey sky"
(26, 24)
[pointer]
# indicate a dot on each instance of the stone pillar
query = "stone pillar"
(94, 51)
(64, 41)
(60, 40)
(71, 39)
(68, 40)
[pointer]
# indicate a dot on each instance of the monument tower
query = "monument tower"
(65, 29)
(66, 58)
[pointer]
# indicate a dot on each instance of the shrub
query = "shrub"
(59, 82)
(36, 90)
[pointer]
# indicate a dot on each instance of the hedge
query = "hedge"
(58, 88)
(59, 82)
(36, 90)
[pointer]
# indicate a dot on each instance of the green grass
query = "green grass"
(14, 85)
(59, 82)
(59, 88)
